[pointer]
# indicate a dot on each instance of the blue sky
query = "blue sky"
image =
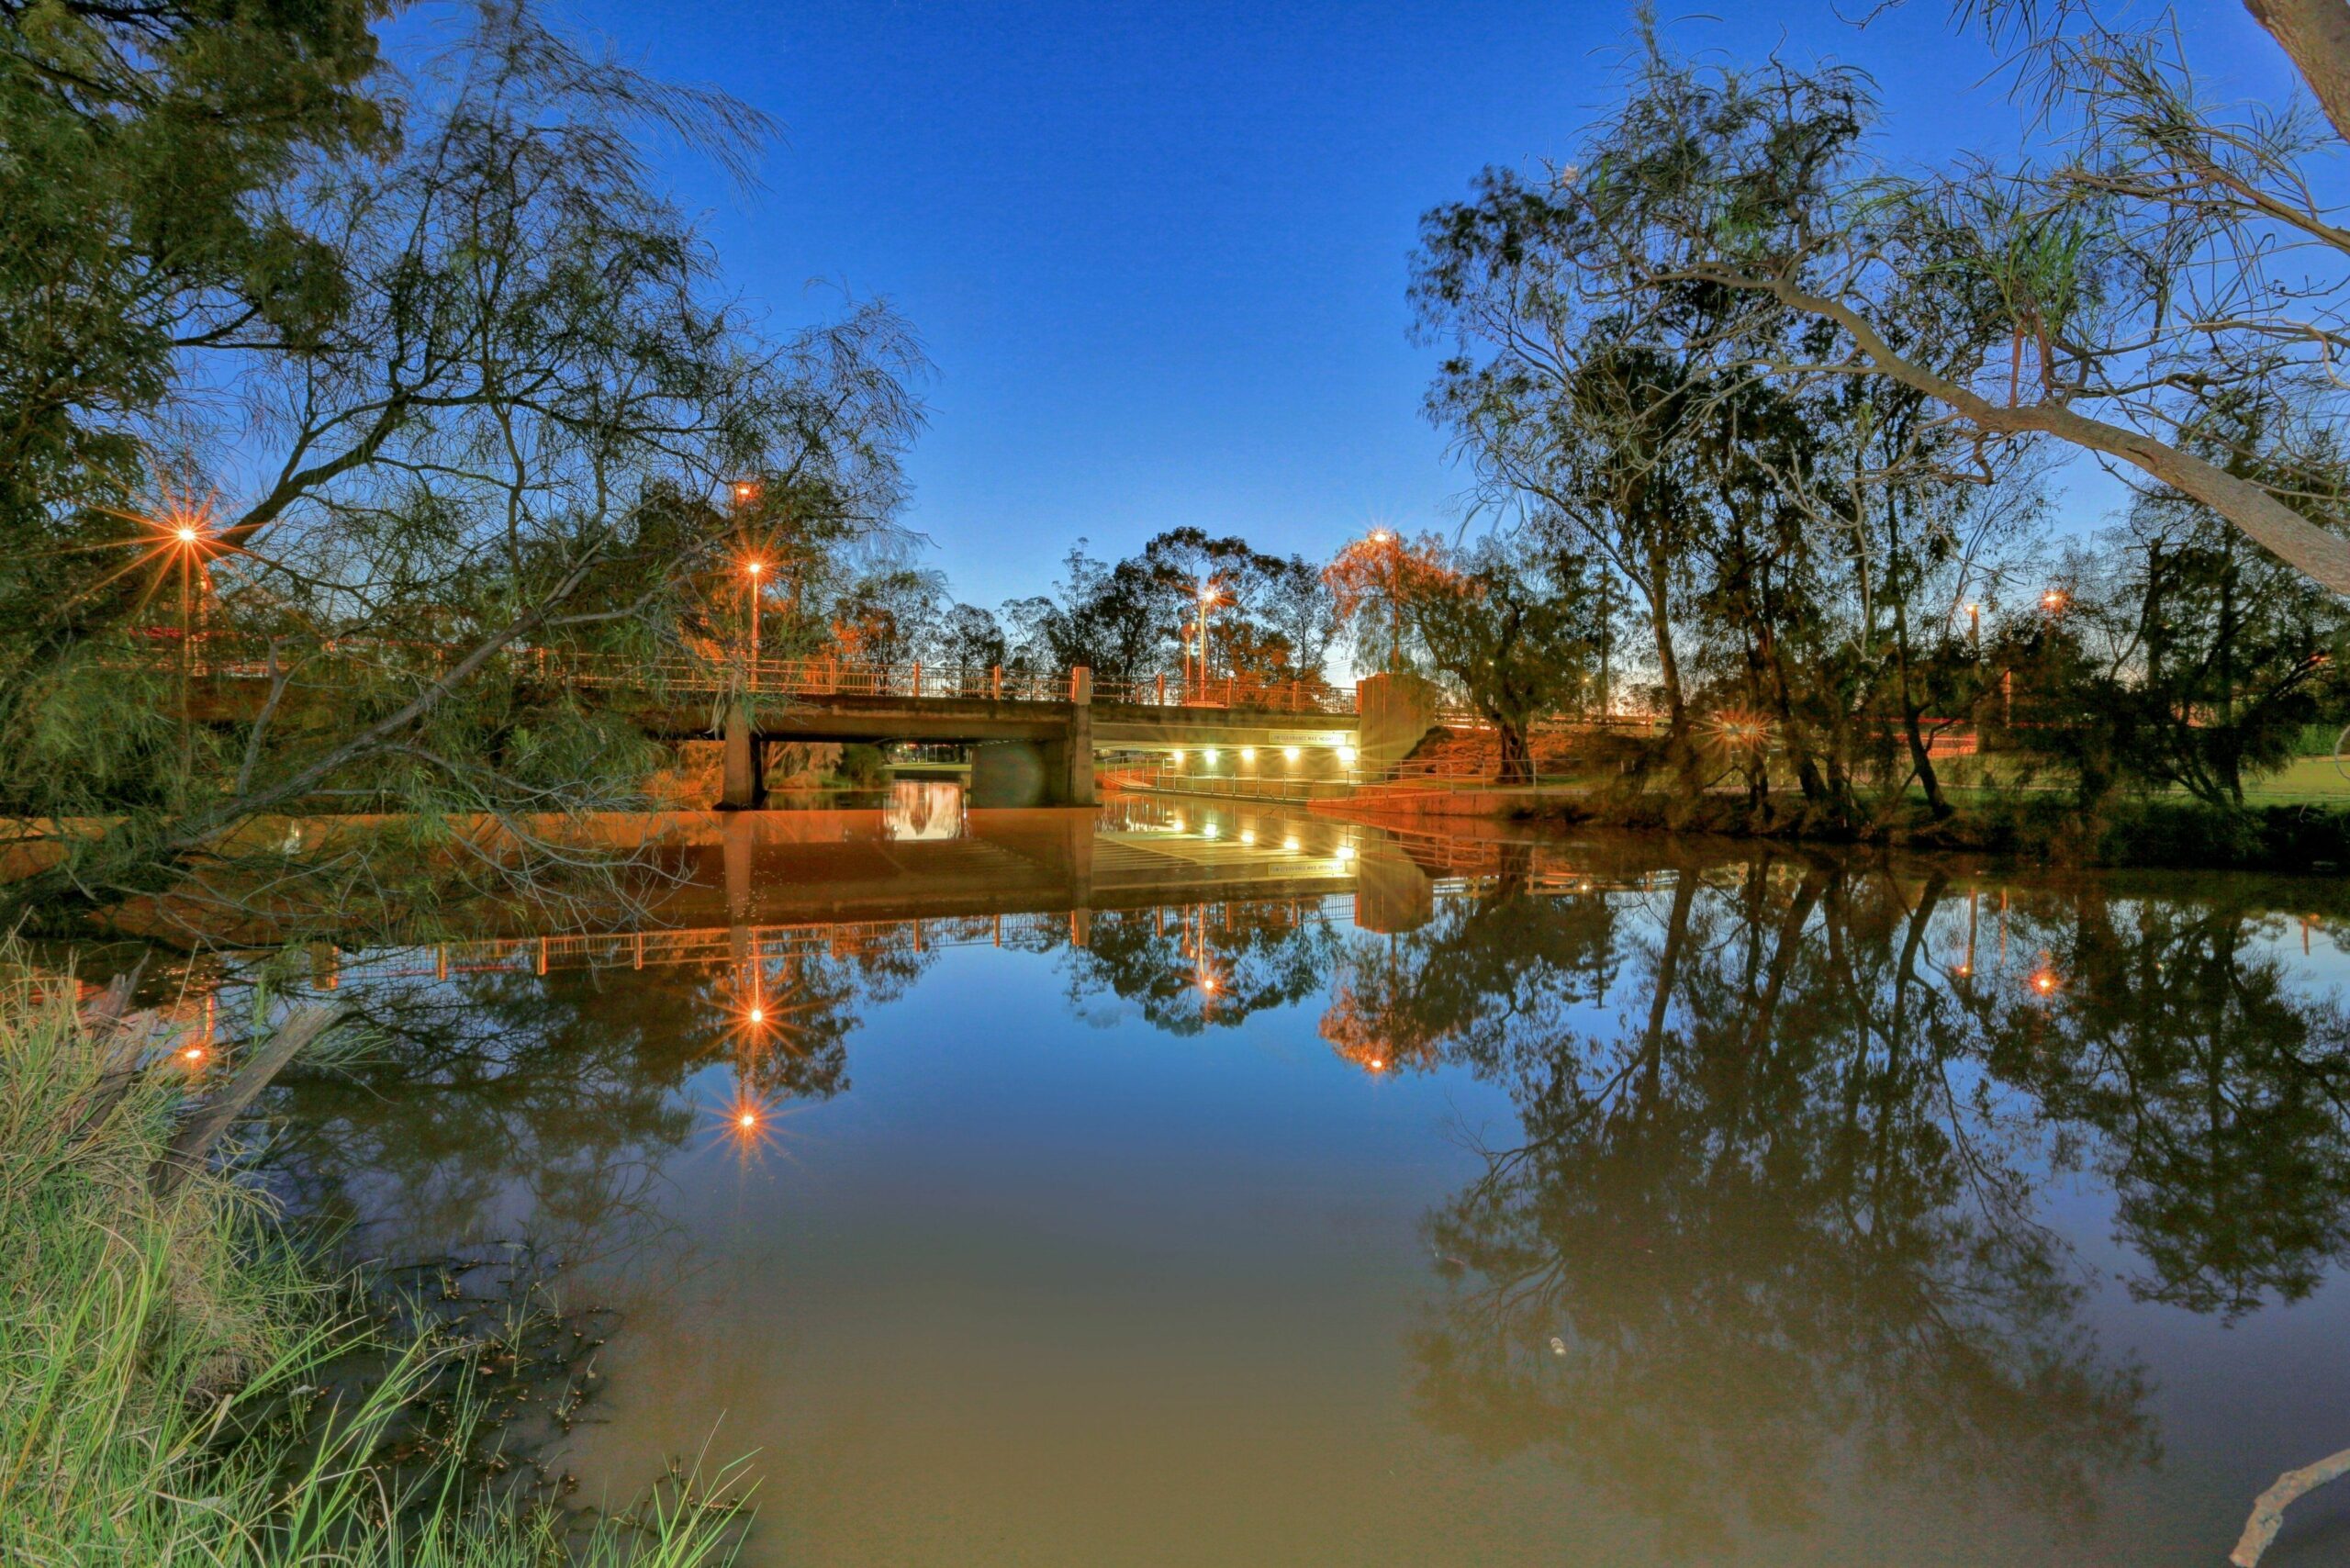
(1158, 252)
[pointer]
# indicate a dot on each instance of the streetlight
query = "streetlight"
(2054, 600)
(755, 570)
(1975, 627)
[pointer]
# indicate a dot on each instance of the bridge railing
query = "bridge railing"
(236, 657)
(852, 678)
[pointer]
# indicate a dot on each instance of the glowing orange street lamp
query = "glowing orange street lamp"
(2054, 600)
(1207, 598)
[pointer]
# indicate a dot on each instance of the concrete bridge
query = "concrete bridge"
(1035, 739)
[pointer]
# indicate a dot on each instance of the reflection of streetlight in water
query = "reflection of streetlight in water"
(749, 1122)
(763, 1012)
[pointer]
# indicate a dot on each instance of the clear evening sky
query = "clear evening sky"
(1158, 251)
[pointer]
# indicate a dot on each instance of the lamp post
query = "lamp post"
(1207, 598)
(188, 540)
(1385, 539)
(755, 569)
(745, 493)
(1974, 629)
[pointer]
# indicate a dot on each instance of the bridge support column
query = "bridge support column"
(1074, 774)
(743, 786)
(1396, 711)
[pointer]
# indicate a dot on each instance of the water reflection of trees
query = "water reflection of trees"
(1771, 1212)
(504, 1097)
(1770, 1215)
(1190, 968)
(2210, 1086)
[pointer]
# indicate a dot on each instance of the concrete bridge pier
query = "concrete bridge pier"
(1056, 771)
(743, 786)
(1033, 773)
(1073, 767)
(1396, 711)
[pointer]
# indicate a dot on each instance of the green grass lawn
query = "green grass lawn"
(2304, 780)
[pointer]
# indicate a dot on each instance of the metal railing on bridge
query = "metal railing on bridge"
(228, 656)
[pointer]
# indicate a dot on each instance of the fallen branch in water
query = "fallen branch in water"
(2268, 1508)
(199, 1132)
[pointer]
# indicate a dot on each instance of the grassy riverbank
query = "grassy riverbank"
(2141, 832)
(180, 1384)
(2145, 834)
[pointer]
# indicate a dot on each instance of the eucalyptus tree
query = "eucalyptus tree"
(969, 640)
(1105, 616)
(1518, 628)
(1911, 550)
(501, 439)
(1299, 613)
(2154, 257)
(1580, 419)
(889, 614)
(1270, 617)
(1267, 617)
(2178, 654)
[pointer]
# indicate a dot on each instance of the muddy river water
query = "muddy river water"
(1201, 1185)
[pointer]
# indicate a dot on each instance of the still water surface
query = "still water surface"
(1243, 1190)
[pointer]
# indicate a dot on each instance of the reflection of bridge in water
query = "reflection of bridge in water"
(862, 941)
(837, 885)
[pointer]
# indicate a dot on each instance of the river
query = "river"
(1210, 1186)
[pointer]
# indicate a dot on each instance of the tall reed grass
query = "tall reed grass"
(164, 1363)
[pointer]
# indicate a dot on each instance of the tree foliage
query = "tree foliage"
(494, 442)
